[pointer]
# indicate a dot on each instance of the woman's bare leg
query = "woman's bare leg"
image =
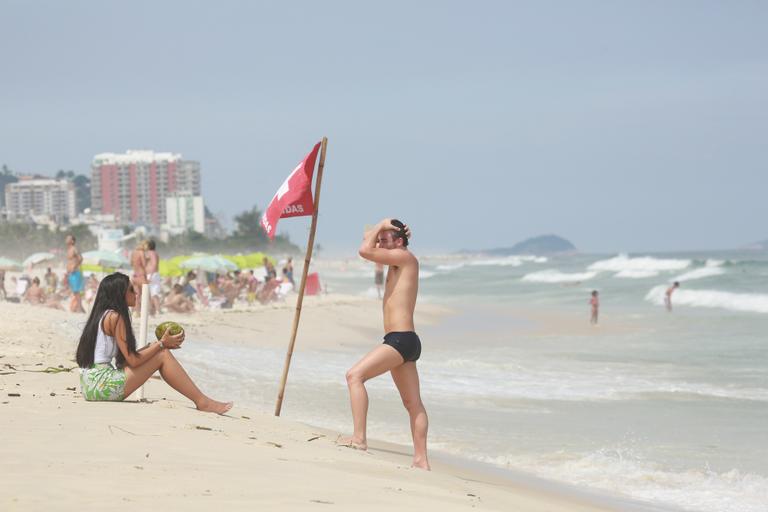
(173, 373)
(407, 381)
(381, 359)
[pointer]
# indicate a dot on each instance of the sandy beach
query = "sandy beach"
(61, 452)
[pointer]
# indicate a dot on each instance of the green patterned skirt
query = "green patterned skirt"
(103, 382)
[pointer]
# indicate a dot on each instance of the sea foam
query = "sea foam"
(700, 273)
(622, 262)
(751, 302)
(629, 472)
(555, 276)
(636, 274)
(507, 261)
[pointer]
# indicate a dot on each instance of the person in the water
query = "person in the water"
(668, 295)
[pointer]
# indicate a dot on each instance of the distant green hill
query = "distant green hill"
(539, 245)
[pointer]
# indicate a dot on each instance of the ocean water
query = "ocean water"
(668, 408)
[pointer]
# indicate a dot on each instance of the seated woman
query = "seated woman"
(37, 297)
(230, 290)
(268, 292)
(108, 334)
(34, 294)
(177, 302)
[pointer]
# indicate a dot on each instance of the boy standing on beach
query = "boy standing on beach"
(387, 244)
(51, 281)
(74, 275)
(288, 271)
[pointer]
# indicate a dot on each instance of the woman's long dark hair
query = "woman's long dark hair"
(111, 295)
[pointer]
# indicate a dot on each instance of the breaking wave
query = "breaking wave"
(555, 276)
(636, 274)
(508, 261)
(622, 262)
(750, 302)
(629, 472)
(700, 273)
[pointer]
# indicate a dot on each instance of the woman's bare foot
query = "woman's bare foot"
(421, 464)
(209, 405)
(351, 442)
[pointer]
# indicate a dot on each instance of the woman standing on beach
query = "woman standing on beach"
(108, 334)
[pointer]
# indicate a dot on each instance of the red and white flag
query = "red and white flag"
(294, 197)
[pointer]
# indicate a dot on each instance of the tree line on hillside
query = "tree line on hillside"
(18, 240)
(248, 236)
(82, 188)
(81, 181)
(6, 176)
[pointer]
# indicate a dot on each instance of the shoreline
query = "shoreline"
(52, 431)
(138, 445)
(520, 481)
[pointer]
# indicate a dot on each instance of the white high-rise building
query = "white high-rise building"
(185, 213)
(34, 197)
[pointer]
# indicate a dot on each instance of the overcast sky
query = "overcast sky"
(620, 126)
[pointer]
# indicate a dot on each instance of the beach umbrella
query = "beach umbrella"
(9, 264)
(238, 259)
(38, 257)
(208, 264)
(107, 259)
(172, 266)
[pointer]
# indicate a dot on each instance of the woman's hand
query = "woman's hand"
(172, 341)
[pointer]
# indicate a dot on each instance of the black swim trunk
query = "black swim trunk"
(379, 278)
(405, 342)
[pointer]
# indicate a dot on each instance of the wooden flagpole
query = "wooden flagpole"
(300, 299)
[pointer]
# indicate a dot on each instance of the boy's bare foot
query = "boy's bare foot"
(421, 464)
(213, 406)
(351, 442)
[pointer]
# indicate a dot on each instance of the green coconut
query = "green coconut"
(173, 329)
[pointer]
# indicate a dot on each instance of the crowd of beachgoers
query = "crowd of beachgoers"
(73, 286)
